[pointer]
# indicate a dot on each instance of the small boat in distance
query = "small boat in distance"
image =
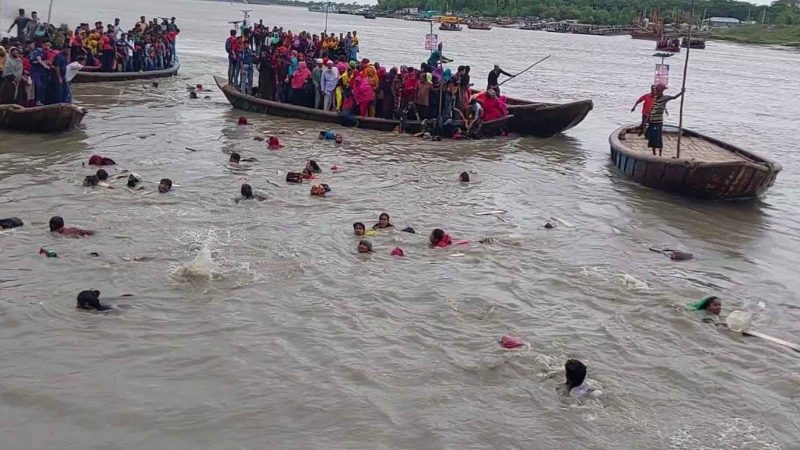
(98, 77)
(698, 44)
(369, 15)
(668, 44)
(450, 27)
(41, 119)
(478, 25)
(708, 168)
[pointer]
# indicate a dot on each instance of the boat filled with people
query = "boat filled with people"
(322, 78)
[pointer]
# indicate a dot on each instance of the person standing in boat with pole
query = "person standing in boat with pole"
(656, 120)
(493, 76)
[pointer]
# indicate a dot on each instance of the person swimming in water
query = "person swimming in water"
(90, 300)
(12, 222)
(247, 194)
(134, 182)
(327, 135)
(307, 174)
(338, 139)
(97, 160)
(440, 239)
(383, 222)
(710, 307)
(319, 190)
(365, 246)
(313, 167)
(464, 177)
(164, 186)
(101, 175)
(57, 226)
(90, 180)
(359, 229)
(235, 158)
(576, 379)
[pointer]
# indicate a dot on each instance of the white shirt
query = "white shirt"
(72, 69)
(130, 46)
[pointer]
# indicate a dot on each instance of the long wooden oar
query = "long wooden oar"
(767, 337)
(529, 68)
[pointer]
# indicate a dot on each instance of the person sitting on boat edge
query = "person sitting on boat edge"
(648, 100)
(656, 120)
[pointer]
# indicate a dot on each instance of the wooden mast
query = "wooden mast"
(683, 84)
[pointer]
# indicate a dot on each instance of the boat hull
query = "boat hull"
(708, 180)
(261, 106)
(102, 77)
(41, 119)
(546, 119)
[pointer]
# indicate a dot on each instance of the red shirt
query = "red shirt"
(648, 100)
(233, 42)
(171, 36)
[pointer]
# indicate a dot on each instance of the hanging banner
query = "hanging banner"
(431, 41)
(662, 74)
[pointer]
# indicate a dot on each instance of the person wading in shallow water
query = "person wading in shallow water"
(656, 121)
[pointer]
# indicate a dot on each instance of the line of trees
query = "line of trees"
(605, 12)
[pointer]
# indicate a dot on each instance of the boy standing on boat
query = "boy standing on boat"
(656, 120)
(646, 108)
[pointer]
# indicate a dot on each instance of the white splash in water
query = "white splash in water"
(202, 266)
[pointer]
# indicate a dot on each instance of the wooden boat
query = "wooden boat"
(450, 27)
(669, 44)
(545, 119)
(697, 44)
(370, 16)
(708, 168)
(479, 25)
(41, 119)
(255, 104)
(98, 77)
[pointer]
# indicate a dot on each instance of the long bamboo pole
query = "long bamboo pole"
(683, 85)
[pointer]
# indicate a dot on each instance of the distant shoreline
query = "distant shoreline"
(787, 35)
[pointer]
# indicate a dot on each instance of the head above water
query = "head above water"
(91, 300)
(101, 175)
(436, 236)
(575, 373)
(359, 229)
(464, 177)
(235, 157)
(313, 167)
(247, 191)
(384, 221)
(90, 180)
(165, 185)
(364, 246)
(56, 223)
(133, 181)
(338, 139)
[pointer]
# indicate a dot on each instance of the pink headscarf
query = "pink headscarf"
(300, 76)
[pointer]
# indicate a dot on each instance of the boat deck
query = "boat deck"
(692, 148)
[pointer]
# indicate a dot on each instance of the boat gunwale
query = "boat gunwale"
(329, 116)
(87, 76)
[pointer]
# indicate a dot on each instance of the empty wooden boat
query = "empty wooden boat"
(41, 119)
(708, 168)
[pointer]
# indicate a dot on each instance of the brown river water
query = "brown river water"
(258, 325)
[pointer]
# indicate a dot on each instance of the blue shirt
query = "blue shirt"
(34, 54)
